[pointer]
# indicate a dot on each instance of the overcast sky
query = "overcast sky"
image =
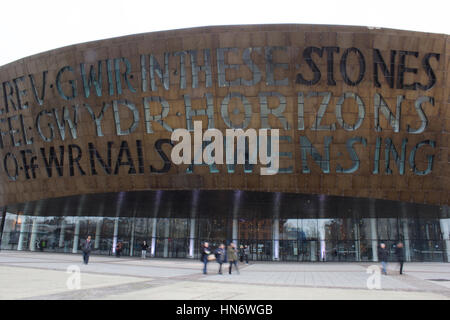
(29, 27)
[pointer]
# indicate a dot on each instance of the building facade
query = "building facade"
(363, 118)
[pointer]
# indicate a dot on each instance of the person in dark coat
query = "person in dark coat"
(400, 255)
(86, 248)
(241, 253)
(206, 251)
(383, 254)
(144, 247)
(232, 257)
(246, 253)
(42, 244)
(118, 249)
(220, 256)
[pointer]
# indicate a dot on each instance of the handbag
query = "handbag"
(211, 257)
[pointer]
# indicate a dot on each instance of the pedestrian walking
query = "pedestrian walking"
(42, 245)
(400, 255)
(118, 249)
(232, 257)
(241, 253)
(144, 247)
(86, 248)
(383, 254)
(220, 256)
(206, 251)
(246, 253)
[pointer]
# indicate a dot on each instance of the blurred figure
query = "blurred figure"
(118, 249)
(241, 253)
(246, 253)
(42, 244)
(144, 247)
(86, 248)
(383, 254)
(220, 256)
(232, 257)
(400, 255)
(206, 251)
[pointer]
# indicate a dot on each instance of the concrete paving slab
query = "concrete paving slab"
(21, 283)
(37, 275)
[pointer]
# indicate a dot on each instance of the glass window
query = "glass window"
(11, 230)
(179, 228)
(219, 229)
(290, 229)
(387, 228)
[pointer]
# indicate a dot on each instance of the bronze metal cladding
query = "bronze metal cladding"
(362, 112)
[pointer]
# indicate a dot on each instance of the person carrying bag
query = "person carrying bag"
(220, 256)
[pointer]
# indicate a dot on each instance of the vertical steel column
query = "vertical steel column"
(132, 237)
(235, 232)
(405, 231)
(22, 233)
(76, 235)
(159, 195)
(445, 230)
(2, 225)
(166, 238)
(276, 239)
(357, 241)
(373, 231)
(406, 240)
(23, 226)
(313, 250)
(193, 223)
(152, 251)
(323, 248)
(235, 226)
(98, 231)
(33, 234)
(167, 232)
(115, 235)
(61, 233)
(192, 238)
(276, 227)
(321, 225)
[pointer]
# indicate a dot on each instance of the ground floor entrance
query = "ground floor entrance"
(274, 226)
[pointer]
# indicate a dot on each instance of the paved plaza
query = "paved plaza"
(36, 275)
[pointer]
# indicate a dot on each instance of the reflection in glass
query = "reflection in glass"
(302, 231)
